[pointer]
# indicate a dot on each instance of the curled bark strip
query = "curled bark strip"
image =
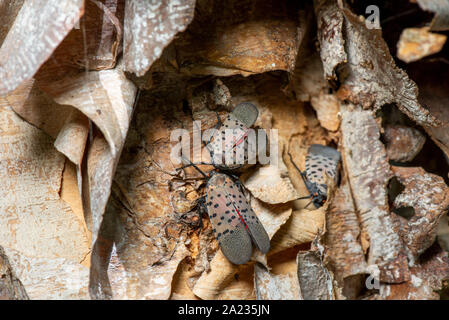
(428, 195)
(302, 227)
(271, 216)
(72, 138)
(210, 284)
(36, 107)
(330, 34)
(27, 47)
(368, 171)
(95, 94)
(150, 25)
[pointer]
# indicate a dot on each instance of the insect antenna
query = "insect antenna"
(303, 179)
(302, 174)
(308, 204)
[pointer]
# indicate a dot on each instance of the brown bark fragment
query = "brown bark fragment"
(95, 42)
(417, 43)
(370, 77)
(38, 108)
(8, 13)
(373, 79)
(342, 238)
(403, 143)
(428, 195)
(440, 21)
(427, 278)
(327, 108)
(72, 138)
(307, 80)
(242, 37)
(248, 48)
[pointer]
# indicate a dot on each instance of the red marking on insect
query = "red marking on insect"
(234, 223)
(243, 221)
(241, 139)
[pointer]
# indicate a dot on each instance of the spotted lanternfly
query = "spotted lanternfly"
(233, 134)
(234, 223)
(320, 160)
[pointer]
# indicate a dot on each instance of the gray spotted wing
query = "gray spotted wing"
(230, 232)
(246, 112)
(320, 160)
(230, 137)
(255, 227)
(238, 211)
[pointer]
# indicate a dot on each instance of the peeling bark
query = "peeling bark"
(94, 208)
(365, 161)
(10, 286)
(23, 51)
(428, 195)
(149, 27)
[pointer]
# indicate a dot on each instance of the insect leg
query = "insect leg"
(202, 208)
(219, 123)
(191, 164)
